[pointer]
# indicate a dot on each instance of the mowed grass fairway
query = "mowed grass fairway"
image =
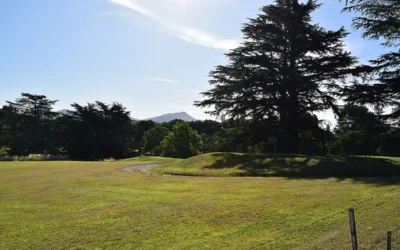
(95, 205)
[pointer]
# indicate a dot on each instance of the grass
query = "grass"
(235, 164)
(95, 205)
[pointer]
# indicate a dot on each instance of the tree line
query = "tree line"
(99, 131)
(94, 131)
(287, 69)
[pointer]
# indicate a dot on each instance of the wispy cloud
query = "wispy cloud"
(201, 37)
(186, 33)
(163, 80)
(135, 7)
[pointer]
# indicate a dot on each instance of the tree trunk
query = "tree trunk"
(280, 142)
(293, 142)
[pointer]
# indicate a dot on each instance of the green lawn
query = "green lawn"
(95, 205)
(236, 164)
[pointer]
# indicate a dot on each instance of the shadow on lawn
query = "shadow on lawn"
(361, 169)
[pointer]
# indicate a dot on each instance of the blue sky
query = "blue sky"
(153, 56)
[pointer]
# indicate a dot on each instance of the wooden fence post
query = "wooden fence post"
(389, 240)
(353, 229)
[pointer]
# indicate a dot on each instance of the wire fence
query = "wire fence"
(395, 242)
(395, 239)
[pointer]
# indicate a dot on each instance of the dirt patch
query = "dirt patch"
(140, 167)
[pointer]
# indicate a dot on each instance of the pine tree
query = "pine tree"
(379, 19)
(36, 111)
(99, 131)
(286, 67)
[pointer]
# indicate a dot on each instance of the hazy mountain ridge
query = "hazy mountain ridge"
(173, 116)
(63, 111)
(158, 119)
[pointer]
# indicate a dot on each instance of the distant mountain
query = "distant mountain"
(63, 111)
(173, 116)
(158, 119)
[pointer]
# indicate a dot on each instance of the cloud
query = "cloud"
(200, 37)
(163, 80)
(183, 32)
(135, 7)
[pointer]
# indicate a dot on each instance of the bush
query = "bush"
(4, 151)
(182, 142)
(153, 138)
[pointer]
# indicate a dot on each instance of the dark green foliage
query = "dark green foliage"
(206, 127)
(358, 131)
(211, 143)
(210, 132)
(140, 128)
(171, 124)
(26, 123)
(389, 143)
(99, 131)
(286, 68)
(379, 19)
(11, 134)
(153, 138)
(181, 142)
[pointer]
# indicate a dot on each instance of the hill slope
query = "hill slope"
(235, 164)
(63, 111)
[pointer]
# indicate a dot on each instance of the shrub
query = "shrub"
(182, 142)
(153, 138)
(4, 151)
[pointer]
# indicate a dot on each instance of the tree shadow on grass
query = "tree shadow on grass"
(382, 171)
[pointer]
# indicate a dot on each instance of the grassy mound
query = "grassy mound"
(235, 164)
